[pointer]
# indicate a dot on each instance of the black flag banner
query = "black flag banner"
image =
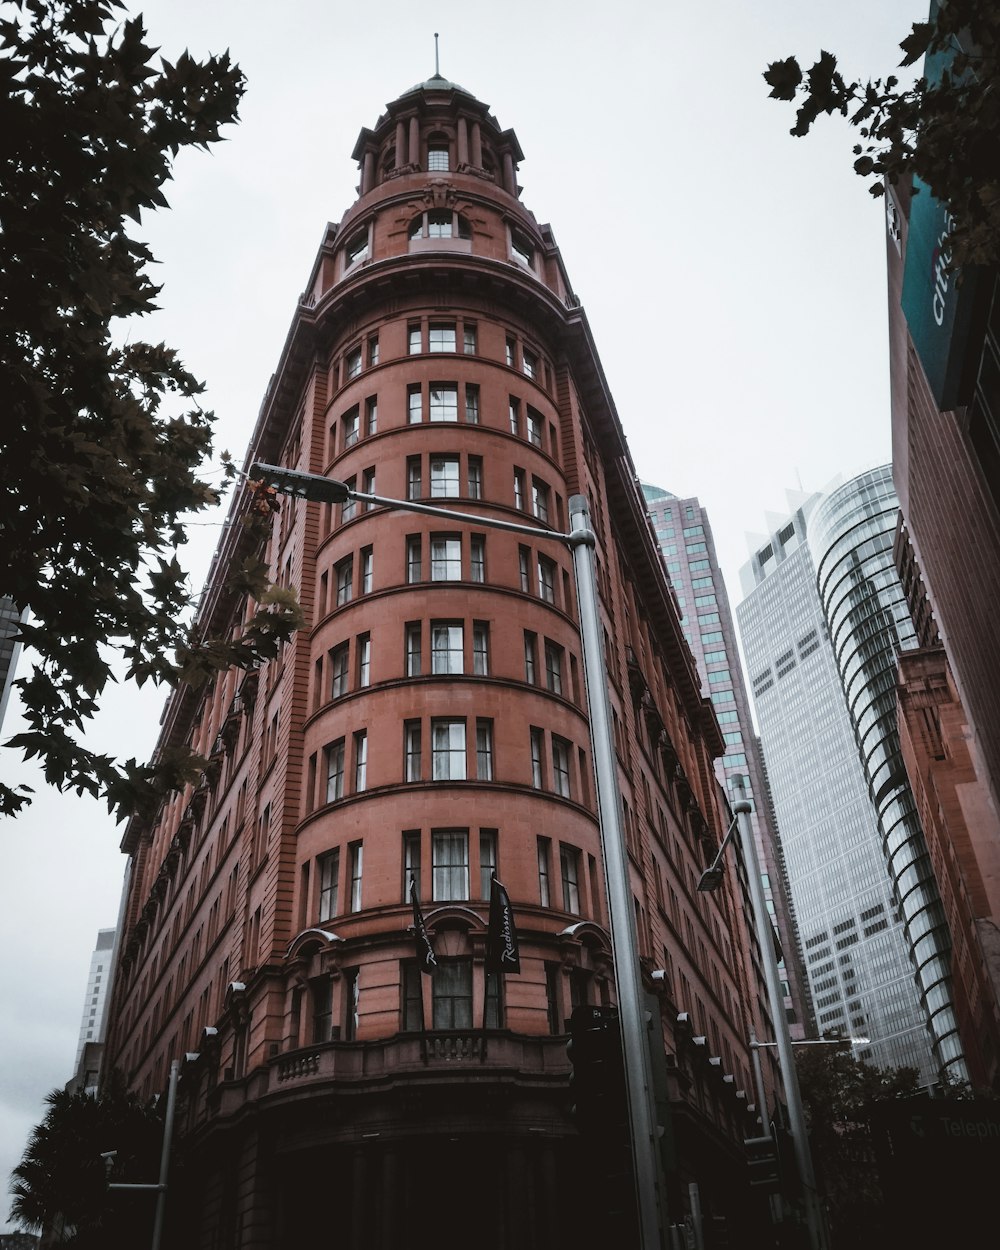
(425, 947)
(501, 941)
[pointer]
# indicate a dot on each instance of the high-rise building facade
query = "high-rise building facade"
(428, 728)
(685, 538)
(854, 942)
(851, 535)
(98, 980)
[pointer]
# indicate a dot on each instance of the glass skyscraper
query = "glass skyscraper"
(685, 540)
(851, 533)
(855, 945)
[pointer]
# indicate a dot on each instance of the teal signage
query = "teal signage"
(937, 302)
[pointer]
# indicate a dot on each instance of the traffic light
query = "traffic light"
(762, 1163)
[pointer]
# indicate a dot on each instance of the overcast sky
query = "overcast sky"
(734, 278)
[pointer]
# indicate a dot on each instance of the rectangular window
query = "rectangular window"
(535, 427)
(524, 568)
(339, 670)
(413, 563)
(414, 405)
(411, 862)
(441, 337)
(469, 338)
(569, 869)
(329, 884)
(484, 750)
(351, 993)
(371, 415)
(355, 853)
(412, 750)
(367, 570)
(452, 995)
(448, 750)
(352, 364)
(360, 761)
(447, 647)
(349, 508)
(487, 860)
(519, 489)
(510, 351)
(477, 558)
(373, 350)
(480, 648)
(445, 477)
(553, 667)
(437, 158)
(540, 499)
(530, 657)
(544, 871)
(364, 650)
(715, 657)
(413, 998)
(368, 485)
(514, 412)
(471, 403)
(546, 579)
(350, 427)
(475, 477)
(536, 758)
(412, 635)
(415, 340)
(345, 580)
(446, 558)
(529, 363)
(444, 401)
(322, 1003)
(560, 767)
(334, 755)
(450, 864)
(414, 480)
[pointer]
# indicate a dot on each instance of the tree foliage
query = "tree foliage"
(60, 1183)
(839, 1094)
(945, 129)
(100, 443)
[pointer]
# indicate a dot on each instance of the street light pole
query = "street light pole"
(783, 1040)
(581, 540)
(621, 912)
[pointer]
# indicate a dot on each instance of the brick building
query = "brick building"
(429, 725)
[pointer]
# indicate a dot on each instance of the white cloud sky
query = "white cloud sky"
(734, 278)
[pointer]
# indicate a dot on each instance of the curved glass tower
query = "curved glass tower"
(851, 534)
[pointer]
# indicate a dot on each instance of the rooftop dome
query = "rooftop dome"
(437, 82)
(655, 493)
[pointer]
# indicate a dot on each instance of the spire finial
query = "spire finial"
(437, 65)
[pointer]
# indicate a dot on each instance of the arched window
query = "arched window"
(440, 224)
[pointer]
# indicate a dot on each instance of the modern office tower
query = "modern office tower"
(426, 728)
(685, 538)
(98, 979)
(854, 942)
(851, 534)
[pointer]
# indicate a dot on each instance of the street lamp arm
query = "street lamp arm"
(331, 490)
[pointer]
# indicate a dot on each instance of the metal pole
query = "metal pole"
(758, 1077)
(168, 1132)
(776, 1001)
(621, 913)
